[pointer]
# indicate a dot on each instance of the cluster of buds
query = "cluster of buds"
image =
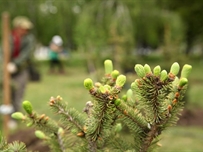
(27, 106)
(184, 75)
(105, 92)
(162, 77)
(53, 100)
(43, 118)
(145, 71)
(110, 74)
(183, 81)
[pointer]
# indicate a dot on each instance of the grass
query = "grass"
(70, 88)
(182, 139)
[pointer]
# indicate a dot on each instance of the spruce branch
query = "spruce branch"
(132, 115)
(67, 114)
(60, 139)
(153, 103)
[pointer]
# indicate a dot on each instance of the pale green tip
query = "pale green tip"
(157, 70)
(134, 86)
(147, 69)
(60, 131)
(108, 65)
(163, 75)
(102, 89)
(117, 102)
(175, 67)
(118, 127)
(88, 84)
(183, 82)
(129, 93)
(39, 134)
(139, 69)
(120, 81)
(27, 106)
(186, 71)
(115, 74)
(18, 116)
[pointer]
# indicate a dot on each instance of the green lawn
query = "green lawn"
(182, 139)
(70, 88)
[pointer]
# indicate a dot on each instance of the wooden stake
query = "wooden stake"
(6, 74)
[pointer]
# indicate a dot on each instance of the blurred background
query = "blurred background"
(156, 32)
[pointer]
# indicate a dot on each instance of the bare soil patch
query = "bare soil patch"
(191, 118)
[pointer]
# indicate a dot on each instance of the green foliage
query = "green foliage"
(139, 22)
(192, 20)
(152, 104)
(16, 146)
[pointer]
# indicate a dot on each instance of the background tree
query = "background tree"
(100, 25)
(140, 23)
(191, 13)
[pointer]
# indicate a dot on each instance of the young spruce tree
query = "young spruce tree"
(152, 104)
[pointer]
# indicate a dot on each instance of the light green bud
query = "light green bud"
(157, 70)
(107, 87)
(139, 69)
(186, 71)
(108, 65)
(115, 74)
(102, 89)
(60, 131)
(183, 82)
(147, 69)
(117, 102)
(29, 124)
(129, 93)
(120, 81)
(39, 134)
(175, 67)
(27, 106)
(124, 97)
(88, 83)
(18, 116)
(118, 127)
(74, 131)
(134, 86)
(163, 75)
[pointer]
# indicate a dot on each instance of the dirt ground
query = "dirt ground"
(188, 118)
(191, 118)
(28, 137)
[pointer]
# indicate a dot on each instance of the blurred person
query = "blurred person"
(55, 48)
(22, 44)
